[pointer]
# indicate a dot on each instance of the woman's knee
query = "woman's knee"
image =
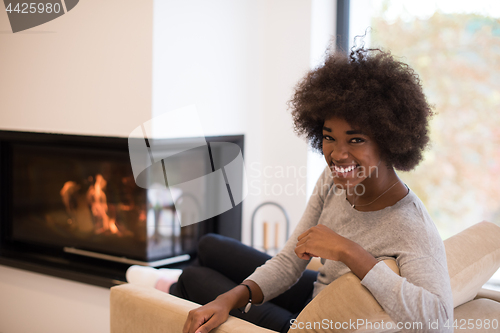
(210, 246)
(188, 274)
(207, 242)
(202, 284)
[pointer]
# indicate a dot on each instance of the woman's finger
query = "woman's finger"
(209, 325)
(301, 242)
(187, 324)
(301, 252)
(304, 234)
(196, 323)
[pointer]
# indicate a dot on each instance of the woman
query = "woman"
(368, 115)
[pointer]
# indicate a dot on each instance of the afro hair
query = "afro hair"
(372, 91)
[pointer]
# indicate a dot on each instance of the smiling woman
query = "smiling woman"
(368, 116)
(354, 160)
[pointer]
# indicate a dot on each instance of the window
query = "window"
(454, 46)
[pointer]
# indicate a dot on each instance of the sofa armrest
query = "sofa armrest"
(137, 309)
(314, 264)
(489, 294)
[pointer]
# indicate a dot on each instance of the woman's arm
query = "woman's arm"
(421, 296)
(213, 314)
(321, 241)
(269, 280)
(283, 270)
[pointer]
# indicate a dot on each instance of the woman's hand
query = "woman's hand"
(321, 241)
(213, 314)
(207, 317)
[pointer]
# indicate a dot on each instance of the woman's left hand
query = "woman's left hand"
(321, 241)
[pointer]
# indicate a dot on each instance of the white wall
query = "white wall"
(323, 27)
(86, 72)
(238, 62)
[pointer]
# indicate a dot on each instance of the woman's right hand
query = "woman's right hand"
(207, 317)
(211, 315)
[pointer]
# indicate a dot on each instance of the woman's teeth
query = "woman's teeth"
(344, 170)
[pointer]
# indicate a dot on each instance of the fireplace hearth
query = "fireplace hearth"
(69, 207)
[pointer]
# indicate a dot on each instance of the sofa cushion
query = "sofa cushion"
(473, 256)
(139, 309)
(479, 315)
(343, 301)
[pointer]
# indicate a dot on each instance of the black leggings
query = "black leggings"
(223, 263)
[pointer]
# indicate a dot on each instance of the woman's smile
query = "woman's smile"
(351, 155)
(344, 171)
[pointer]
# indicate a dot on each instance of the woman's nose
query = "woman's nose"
(339, 152)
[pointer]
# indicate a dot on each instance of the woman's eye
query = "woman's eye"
(357, 140)
(327, 137)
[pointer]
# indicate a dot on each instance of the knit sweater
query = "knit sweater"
(403, 231)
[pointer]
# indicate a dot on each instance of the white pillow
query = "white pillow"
(473, 256)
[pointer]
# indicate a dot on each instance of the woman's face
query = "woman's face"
(352, 155)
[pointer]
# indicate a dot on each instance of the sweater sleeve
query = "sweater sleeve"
(420, 297)
(282, 271)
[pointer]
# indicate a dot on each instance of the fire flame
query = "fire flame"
(99, 206)
(95, 200)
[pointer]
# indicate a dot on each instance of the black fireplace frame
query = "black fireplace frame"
(56, 262)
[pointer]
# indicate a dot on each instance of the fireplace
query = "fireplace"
(70, 207)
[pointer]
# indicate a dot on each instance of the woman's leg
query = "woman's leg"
(229, 257)
(237, 261)
(297, 297)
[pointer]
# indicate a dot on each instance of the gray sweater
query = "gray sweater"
(403, 231)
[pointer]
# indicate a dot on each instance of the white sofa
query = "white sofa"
(473, 256)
